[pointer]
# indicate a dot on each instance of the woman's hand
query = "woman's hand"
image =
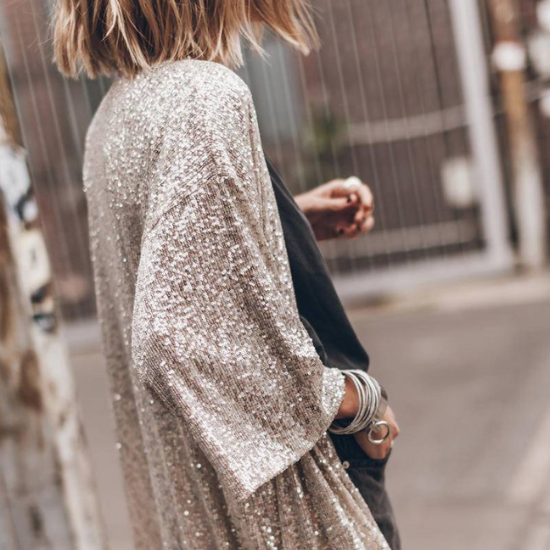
(336, 211)
(379, 451)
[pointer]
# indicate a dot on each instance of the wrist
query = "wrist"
(350, 404)
(360, 405)
(303, 203)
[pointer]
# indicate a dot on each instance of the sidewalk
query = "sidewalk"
(468, 373)
(471, 391)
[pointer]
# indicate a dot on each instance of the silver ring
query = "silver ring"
(351, 182)
(374, 428)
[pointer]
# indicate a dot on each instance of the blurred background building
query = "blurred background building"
(414, 97)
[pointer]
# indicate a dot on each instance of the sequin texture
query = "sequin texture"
(220, 399)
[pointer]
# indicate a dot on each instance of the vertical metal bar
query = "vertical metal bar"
(474, 74)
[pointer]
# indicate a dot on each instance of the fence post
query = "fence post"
(509, 56)
(47, 494)
(468, 36)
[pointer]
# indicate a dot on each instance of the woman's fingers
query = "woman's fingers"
(365, 225)
(359, 192)
(379, 451)
(337, 211)
(371, 449)
(369, 224)
(346, 231)
(334, 206)
(354, 230)
(366, 198)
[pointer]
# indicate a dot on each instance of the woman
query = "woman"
(221, 400)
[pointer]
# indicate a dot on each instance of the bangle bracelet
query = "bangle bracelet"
(369, 397)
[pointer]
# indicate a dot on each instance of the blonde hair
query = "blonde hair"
(106, 37)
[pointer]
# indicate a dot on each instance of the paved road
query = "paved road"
(471, 389)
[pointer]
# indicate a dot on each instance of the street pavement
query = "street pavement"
(468, 374)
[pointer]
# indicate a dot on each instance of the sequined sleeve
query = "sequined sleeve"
(216, 332)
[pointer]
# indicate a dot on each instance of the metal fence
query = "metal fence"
(399, 95)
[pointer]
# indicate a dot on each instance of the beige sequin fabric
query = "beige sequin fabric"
(220, 400)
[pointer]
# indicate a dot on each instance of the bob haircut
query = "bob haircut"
(124, 37)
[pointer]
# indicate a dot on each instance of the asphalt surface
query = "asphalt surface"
(470, 385)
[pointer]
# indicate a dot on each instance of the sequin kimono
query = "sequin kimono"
(220, 399)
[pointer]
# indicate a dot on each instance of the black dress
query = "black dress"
(323, 315)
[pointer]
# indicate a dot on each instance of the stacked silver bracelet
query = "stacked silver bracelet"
(370, 395)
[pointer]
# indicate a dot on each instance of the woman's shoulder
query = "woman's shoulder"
(201, 81)
(177, 91)
(195, 97)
